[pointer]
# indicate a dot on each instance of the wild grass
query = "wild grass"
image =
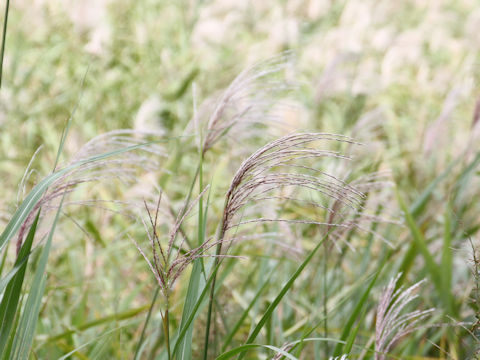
(203, 203)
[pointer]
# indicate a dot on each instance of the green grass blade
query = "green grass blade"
(347, 330)
(282, 293)
(28, 321)
(8, 348)
(26, 328)
(244, 315)
(183, 86)
(246, 347)
(415, 210)
(243, 348)
(11, 297)
(106, 334)
(418, 206)
(101, 321)
(350, 293)
(431, 266)
(6, 279)
(4, 38)
(446, 267)
(3, 261)
(185, 352)
(183, 330)
(351, 338)
(138, 350)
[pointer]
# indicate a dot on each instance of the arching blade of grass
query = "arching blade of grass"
(106, 334)
(194, 313)
(36, 194)
(244, 315)
(245, 347)
(347, 295)
(182, 86)
(352, 336)
(185, 351)
(282, 293)
(417, 207)
(201, 298)
(28, 321)
(419, 204)
(3, 261)
(347, 330)
(432, 267)
(4, 37)
(140, 345)
(6, 279)
(11, 297)
(101, 321)
(7, 350)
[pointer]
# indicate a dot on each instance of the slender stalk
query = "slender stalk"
(212, 292)
(166, 329)
(142, 336)
(325, 300)
(4, 35)
(201, 235)
(201, 232)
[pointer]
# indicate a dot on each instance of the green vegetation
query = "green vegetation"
(172, 187)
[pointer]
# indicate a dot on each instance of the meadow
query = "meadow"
(281, 179)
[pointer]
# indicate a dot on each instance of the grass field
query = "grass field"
(284, 179)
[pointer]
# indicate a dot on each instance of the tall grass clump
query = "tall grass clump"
(232, 235)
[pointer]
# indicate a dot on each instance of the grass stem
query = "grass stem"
(212, 293)
(4, 36)
(166, 329)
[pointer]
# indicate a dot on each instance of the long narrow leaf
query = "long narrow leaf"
(28, 321)
(421, 243)
(11, 297)
(245, 347)
(446, 268)
(183, 330)
(347, 330)
(417, 207)
(140, 344)
(102, 321)
(6, 279)
(4, 37)
(195, 277)
(244, 315)
(282, 293)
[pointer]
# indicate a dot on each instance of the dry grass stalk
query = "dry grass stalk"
(169, 259)
(246, 102)
(279, 170)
